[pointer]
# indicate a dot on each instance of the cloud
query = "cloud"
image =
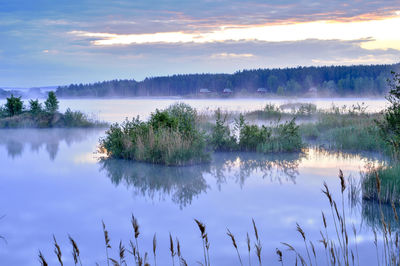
(231, 55)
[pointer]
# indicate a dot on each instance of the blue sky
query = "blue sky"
(47, 42)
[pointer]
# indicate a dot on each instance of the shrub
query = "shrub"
(13, 105)
(170, 137)
(35, 107)
(221, 138)
(390, 126)
(51, 103)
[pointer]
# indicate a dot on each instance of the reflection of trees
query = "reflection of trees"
(372, 215)
(277, 167)
(16, 140)
(181, 183)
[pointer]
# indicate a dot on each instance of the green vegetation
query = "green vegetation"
(14, 115)
(170, 137)
(383, 183)
(323, 81)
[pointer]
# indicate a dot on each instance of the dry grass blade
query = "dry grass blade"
(135, 226)
(232, 238)
(300, 230)
(234, 244)
(327, 193)
(342, 181)
(255, 229)
(202, 228)
(57, 251)
(171, 248)
(114, 262)
(42, 260)
(75, 251)
(106, 240)
(324, 219)
(121, 253)
(178, 248)
(183, 262)
(154, 248)
(279, 253)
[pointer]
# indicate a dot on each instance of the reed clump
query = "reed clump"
(170, 137)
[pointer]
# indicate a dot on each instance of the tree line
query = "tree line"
(325, 80)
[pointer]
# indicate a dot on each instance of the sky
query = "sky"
(50, 43)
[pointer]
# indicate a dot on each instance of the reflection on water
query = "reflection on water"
(183, 184)
(17, 140)
(240, 166)
(372, 215)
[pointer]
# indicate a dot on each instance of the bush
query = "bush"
(51, 103)
(170, 137)
(390, 126)
(35, 107)
(221, 138)
(13, 105)
(76, 119)
(284, 138)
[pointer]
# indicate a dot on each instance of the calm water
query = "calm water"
(54, 182)
(118, 110)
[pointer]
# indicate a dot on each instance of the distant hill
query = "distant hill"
(317, 81)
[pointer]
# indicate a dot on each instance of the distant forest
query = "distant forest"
(323, 81)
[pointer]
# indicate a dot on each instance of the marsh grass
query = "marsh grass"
(169, 137)
(339, 248)
(389, 184)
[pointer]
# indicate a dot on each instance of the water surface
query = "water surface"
(53, 182)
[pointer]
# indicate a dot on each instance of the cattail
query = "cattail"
(57, 251)
(42, 260)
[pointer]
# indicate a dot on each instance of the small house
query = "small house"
(227, 91)
(204, 91)
(262, 90)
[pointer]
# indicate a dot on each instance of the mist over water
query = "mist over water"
(54, 182)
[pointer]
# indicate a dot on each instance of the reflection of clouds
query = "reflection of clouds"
(17, 140)
(183, 184)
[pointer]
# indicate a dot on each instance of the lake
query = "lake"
(54, 182)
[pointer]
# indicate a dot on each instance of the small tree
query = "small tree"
(14, 105)
(390, 126)
(35, 107)
(51, 103)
